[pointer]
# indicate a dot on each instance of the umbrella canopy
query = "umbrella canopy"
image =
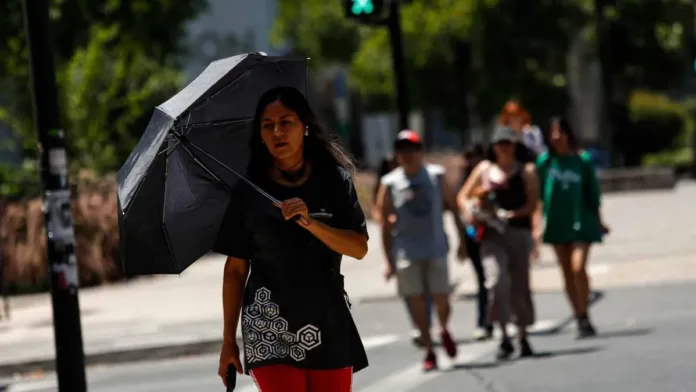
(174, 188)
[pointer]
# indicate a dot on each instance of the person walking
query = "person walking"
(297, 329)
(572, 215)
(531, 137)
(416, 245)
(484, 330)
(388, 164)
(512, 186)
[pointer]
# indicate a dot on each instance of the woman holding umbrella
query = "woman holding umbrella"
(282, 274)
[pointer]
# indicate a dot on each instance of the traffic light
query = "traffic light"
(363, 9)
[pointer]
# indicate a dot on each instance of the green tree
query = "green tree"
(115, 61)
(430, 30)
(519, 48)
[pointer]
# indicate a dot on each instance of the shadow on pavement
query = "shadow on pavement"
(627, 333)
(478, 365)
(565, 352)
(596, 296)
(537, 355)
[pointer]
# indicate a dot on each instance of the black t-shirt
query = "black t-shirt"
(294, 310)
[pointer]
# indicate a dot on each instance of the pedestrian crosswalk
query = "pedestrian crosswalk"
(395, 365)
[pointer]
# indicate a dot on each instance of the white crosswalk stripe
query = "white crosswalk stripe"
(369, 343)
(394, 366)
(412, 377)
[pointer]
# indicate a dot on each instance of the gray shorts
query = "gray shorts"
(418, 277)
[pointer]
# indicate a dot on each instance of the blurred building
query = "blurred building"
(227, 28)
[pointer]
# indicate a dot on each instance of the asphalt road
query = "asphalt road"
(645, 345)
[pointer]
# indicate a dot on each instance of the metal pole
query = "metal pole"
(394, 27)
(690, 79)
(606, 124)
(70, 366)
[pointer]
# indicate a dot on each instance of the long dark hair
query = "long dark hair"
(319, 149)
(566, 128)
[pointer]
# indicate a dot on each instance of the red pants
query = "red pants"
(283, 378)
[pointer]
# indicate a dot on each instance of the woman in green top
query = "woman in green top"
(570, 198)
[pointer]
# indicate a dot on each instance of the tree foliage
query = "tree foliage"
(116, 60)
(519, 48)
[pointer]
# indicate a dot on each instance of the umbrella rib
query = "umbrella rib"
(164, 213)
(251, 184)
(204, 166)
(188, 127)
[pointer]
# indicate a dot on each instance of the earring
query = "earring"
(306, 131)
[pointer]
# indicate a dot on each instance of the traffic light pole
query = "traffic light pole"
(394, 27)
(606, 120)
(70, 365)
(690, 45)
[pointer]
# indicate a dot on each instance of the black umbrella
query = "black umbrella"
(174, 188)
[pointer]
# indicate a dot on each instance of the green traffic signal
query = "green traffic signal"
(362, 7)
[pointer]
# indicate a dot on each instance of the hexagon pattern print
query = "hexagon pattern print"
(267, 335)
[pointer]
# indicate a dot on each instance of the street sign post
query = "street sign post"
(62, 264)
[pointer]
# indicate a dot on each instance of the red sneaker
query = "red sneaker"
(449, 344)
(430, 362)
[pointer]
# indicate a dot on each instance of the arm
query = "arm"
(346, 242)
(594, 193)
(233, 282)
(471, 183)
(450, 203)
(538, 217)
(537, 221)
(234, 241)
(349, 236)
(531, 182)
(384, 202)
(377, 208)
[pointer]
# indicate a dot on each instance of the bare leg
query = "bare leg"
(563, 255)
(442, 304)
(419, 307)
(579, 255)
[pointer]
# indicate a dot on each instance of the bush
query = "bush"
(656, 124)
(22, 235)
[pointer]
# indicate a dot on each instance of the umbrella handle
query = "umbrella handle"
(231, 378)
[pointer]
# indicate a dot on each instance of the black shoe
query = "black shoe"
(505, 350)
(585, 328)
(483, 333)
(525, 349)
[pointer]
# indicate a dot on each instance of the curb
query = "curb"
(637, 180)
(119, 356)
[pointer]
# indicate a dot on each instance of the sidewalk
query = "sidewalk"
(178, 315)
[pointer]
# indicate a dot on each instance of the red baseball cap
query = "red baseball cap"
(408, 136)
